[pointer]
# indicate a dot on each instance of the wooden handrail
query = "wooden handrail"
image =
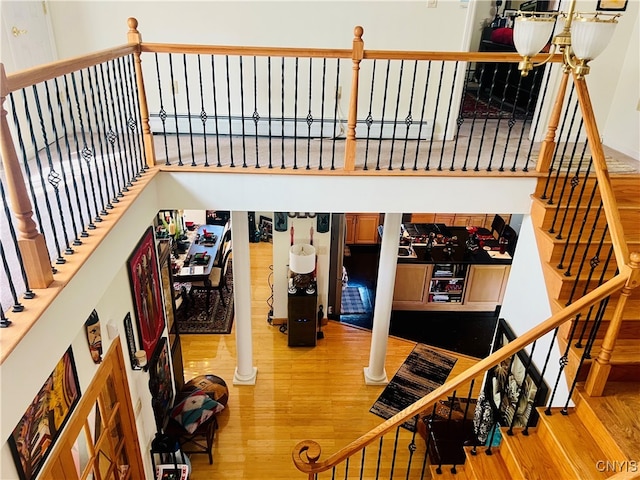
(307, 452)
(49, 71)
(498, 57)
(246, 51)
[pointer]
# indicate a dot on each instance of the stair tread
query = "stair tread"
(618, 409)
(576, 442)
(533, 458)
(484, 466)
(461, 473)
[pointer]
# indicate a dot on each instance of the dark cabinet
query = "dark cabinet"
(302, 319)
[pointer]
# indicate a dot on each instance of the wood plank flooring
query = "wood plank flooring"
(301, 393)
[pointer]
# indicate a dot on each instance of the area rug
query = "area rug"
(424, 370)
(474, 107)
(194, 317)
(352, 301)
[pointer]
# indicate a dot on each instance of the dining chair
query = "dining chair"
(217, 280)
(225, 243)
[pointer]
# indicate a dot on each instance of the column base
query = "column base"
(245, 379)
(371, 380)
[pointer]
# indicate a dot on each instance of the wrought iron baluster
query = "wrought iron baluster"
(282, 165)
(123, 124)
(295, 119)
(511, 123)
(546, 70)
(175, 110)
(324, 83)
(226, 62)
(27, 168)
(395, 452)
(114, 135)
(364, 452)
(162, 113)
(382, 119)
(256, 115)
(215, 109)
(422, 112)
(369, 118)
(459, 123)
(134, 121)
(110, 138)
(78, 156)
(86, 153)
(203, 114)
(4, 321)
(346, 468)
(309, 116)
(379, 456)
(336, 97)
(188, 102)
(395, 118)
(17, 306)
(53, 178)
(244, 146)
(446, 123)
(497, 126)
(408, 120)
(269, 108)
(567, 273)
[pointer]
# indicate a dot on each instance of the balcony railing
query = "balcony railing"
(82, 136)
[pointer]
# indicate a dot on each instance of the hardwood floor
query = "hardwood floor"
(301, 393)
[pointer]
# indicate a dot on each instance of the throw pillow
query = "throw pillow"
(194, 410)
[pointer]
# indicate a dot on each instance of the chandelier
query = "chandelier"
(583, 38)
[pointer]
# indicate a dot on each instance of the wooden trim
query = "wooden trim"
(498, 57)
(306, 453)
(41, 73)
(246, 51)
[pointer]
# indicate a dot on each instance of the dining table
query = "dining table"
(199, 259)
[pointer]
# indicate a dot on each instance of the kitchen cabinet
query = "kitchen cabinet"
(411, 286)
(459, 219)
(362, 228)
(486, 285)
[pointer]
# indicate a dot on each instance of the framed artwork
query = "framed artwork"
(615, 5)
(145, 289)
(323, 223)
(36, 433)
(160, 383)
(514, 386)
(266, 228)
(280, 219)
(131, 341)
(94, 337)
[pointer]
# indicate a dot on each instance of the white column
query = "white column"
(375, 373)
(245, 373)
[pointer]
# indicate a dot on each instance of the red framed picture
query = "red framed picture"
(145, 289)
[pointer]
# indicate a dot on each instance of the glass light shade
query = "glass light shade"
(531, 34)
(590, 36)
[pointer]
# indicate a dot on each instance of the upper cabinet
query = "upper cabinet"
(362, 228)
(458, 219)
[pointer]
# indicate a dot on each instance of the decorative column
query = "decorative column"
(375, 373)
(245, 373)
(33, 248)
(133, 36)
(356, 56)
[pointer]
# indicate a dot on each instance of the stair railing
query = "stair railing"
(306, 454)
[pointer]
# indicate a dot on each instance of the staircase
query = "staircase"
(599, 437)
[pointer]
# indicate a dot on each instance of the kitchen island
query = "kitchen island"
(444, 274)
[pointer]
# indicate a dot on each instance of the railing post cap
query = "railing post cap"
(358, 31)
(133, 23)
(634, 257)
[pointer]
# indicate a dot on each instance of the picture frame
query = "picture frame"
(146, 292)
(280, 219)
(131, 341)
(35, 435)
(265, 225)
(612, 5)
(161, 383)
(515, 387)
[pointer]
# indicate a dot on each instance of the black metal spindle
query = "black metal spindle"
(53, 178)
(4, 321)
(28, 294)
(567, 273)
(188, 103)
(510, 123)
(309, 116)
(134, 121)
(534, 133)
(422, 112)
(295, 118)
(226, 62)
(203, 114)
(382, 118)
(395, 452)
(269, 108)
(77, 154)
(174, 100)
(379, 456)
(429, 421)
(116, 127)
(124, 139)
(110, 138)
(17, 306)
(336, 97)
(282, 165)
(215, 110)
(369, 118)
(162, 113)
(346, 468)
(324, 84)
(244, 146)
(256, 115)
(395, 117)
(109, 186)
(364, 452)
(496, 129)
(27, 168)
(85, 152)
(408, 119)
(446, 123)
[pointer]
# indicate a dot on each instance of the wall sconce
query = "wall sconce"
(140, 360)
(584, 37)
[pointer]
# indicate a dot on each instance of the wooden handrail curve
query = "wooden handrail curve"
(306, 453)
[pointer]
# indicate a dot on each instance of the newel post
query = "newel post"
(549, 142)
(356, 56)
(33, 248)
(601, 367)
(134, 36)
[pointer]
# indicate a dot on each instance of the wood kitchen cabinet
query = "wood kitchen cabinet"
(412, 286)
(459, 219)
(486, 285)
(362, 228)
